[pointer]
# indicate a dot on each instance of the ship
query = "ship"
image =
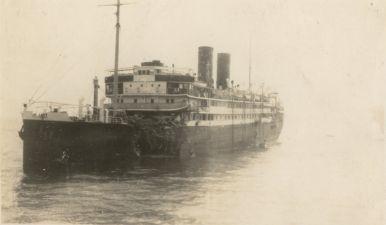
(151, 111)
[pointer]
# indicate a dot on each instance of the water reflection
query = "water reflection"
(315, 181)
(151, 191)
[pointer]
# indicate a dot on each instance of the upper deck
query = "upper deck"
(150, 78)
(155, 87)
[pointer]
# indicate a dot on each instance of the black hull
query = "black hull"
(57, 146)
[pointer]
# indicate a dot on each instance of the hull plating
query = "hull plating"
(52, 146)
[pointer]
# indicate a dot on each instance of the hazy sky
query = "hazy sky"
(326, 58)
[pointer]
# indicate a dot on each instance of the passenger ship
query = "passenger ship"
(154, 111)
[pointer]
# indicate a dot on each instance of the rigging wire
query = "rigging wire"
(48, 72)
(60, 76)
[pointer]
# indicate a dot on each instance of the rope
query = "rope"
(59, 77)
(48, 72)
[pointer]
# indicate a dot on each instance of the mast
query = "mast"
(249, 69)
(232, 114)
(262, 114)
(95, 106)
(116, 58)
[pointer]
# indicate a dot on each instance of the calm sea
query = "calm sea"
(322, 180)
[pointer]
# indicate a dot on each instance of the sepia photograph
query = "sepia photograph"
(196, 112)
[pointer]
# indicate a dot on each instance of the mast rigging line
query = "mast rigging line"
(60, 76)
(48, 71)
(63, 74)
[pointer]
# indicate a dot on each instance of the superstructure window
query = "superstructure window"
(152, 100)
(135, 100)
(109, 89)
(120, 88)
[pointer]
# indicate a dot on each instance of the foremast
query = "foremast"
(116, 57)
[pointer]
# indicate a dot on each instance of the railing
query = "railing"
(116, 120)
(152, 106)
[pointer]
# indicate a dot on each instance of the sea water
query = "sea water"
(324, 179)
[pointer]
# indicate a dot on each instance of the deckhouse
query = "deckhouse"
(151, 87)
